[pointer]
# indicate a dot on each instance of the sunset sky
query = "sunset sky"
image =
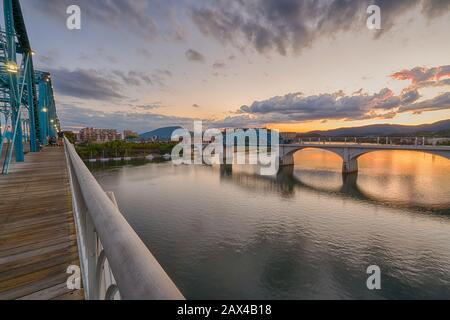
(291, 65)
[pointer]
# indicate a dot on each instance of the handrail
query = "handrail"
(136, 271)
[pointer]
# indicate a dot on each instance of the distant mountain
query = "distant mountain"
(437, 128)
(162, 133)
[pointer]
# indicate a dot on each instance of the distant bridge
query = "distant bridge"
(350, 152)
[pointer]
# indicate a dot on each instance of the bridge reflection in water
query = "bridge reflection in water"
(405, 179)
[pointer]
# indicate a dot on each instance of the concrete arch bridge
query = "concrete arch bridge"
(350, 153)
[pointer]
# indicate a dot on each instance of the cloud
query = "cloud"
(48, 57)
(79, 117)
(385, 104)
(164, 72)
(85, 84)
(441, 102)
(219, 65)
(131, 78)
(195, 106)
(194, 56)
(144, 52)
(409, 96)
(288, 26)
(338, 106)
(137, 16)
(136, 78)
(150, 106)
(422, 76)
(435, 8)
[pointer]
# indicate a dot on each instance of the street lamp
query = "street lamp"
(11, 67)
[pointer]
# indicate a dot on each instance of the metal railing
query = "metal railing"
(115, 263)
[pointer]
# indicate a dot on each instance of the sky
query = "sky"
(286, 64)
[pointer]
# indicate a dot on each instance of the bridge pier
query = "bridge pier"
(349, 161)
(287, 160)
(350, 166)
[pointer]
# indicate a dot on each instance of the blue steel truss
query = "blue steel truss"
(27, 105)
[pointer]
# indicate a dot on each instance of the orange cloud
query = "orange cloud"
(421, 75)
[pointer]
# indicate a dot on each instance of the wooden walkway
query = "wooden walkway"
(37, 231)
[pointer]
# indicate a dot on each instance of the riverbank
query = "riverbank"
(123, 150)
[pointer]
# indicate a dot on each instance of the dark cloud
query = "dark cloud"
(290, 25)
(136, 16)
(193, 55)
(410, 96)
(297, 107)
(195, 106)
(441, 102)
(267, 25)
(85, 84)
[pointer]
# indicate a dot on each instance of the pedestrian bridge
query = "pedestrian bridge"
(350, 152)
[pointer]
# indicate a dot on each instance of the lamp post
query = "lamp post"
(45, 111)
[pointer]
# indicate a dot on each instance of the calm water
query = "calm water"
(307, 233)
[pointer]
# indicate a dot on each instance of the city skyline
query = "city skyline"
(289, 65)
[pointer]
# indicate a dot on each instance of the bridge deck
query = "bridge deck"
(37, 231)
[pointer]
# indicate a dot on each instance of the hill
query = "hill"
(439, 128)
(162, 133)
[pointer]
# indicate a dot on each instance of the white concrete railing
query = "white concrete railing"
(115, 263)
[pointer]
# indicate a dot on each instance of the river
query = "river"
(307, 233)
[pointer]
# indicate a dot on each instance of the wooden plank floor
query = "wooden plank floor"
(37, 231)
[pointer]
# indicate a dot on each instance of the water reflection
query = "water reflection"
(308, 232)
(334, 183)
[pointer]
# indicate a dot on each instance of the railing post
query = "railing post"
(91, 254)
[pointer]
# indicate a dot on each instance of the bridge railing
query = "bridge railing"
(115, 263)
(384, 141)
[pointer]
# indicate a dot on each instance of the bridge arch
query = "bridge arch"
(348, 165)
(335, 151)
(442, 154)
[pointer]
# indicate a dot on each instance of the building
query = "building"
(130, 134)
(98, 135)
